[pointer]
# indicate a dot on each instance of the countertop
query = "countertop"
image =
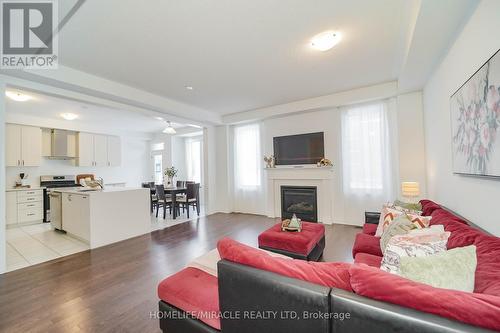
(33, 188)
(82, 191)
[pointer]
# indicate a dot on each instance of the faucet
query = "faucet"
(100, 181)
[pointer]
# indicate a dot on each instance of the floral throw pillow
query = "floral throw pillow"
(412, 245)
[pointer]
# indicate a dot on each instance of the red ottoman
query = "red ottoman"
(307, 244)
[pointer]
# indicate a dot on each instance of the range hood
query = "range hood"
(62, 144)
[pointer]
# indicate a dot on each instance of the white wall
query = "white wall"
(2, 178)
(179, 156)
(135, 167)
(475, 198)
(411, 141)
(223, 171)
(410, 147)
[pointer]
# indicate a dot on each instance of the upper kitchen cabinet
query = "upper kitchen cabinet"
(114, 151)
(98, 150)
(23, 145)
(85, 149)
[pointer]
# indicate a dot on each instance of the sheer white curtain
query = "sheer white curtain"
(247, 169)
(368, 168)
(193, 159)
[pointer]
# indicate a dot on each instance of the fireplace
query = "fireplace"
(301, 201)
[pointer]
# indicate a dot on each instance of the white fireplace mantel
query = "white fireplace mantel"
(321, 177)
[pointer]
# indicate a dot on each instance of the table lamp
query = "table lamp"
(410, 190)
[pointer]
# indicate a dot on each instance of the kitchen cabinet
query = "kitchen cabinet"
(23, 145)
(105, 216)
(98, 150)
(85, 149)
(11, 208)
(76, 215)
(24, 206)
(114, 151)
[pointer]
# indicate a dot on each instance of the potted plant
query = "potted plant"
(170, 173)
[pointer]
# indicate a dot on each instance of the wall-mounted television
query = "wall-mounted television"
(299, 149)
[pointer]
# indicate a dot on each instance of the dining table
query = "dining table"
(173, 191)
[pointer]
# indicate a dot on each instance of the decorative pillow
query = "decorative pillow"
(420, 222)
(454, 269)
(400, 226)
(390, 214)
(411, 246)
(433, 229)
(386, 217)
(414, 207)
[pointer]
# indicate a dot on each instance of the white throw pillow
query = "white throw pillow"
(409, 245)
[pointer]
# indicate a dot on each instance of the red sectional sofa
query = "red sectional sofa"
(250, 281)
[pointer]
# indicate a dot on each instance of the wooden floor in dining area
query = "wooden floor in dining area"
(113, 288)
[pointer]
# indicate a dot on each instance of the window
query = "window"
(193, 159)
(247, 156)
(158, 168)
(365, 149)
(158, 146)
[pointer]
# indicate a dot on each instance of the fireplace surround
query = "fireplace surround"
(301, 201)
(321, 178)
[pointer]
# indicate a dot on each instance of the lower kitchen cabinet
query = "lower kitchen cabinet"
(24, 206)
(76, 215)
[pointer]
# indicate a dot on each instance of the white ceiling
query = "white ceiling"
(237, 54)
(242, 55)
(50, 108)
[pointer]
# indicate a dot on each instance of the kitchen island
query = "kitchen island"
(101, 217)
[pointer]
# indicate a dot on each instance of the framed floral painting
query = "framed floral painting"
(475, 122)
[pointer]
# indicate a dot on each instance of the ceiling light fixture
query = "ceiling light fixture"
(159, 118)
(16, 96)
(325, 40)
(188, 87)
(69, 116)
(169, 129)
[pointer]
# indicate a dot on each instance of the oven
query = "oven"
(49, 183)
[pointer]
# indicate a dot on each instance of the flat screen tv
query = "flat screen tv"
(299, 149)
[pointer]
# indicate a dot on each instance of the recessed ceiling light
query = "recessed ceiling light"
(188, 87)
(325, 40)
(69, 116)
(169, 129)
(16, 96)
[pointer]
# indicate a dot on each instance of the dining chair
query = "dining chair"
(163, 201)
(153, 200)
(181, 196)
(192, 198)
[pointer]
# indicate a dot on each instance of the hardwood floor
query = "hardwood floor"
(113, 288)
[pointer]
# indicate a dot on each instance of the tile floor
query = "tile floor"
(30, 245)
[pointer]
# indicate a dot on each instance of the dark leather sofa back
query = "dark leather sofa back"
(243, 288)
(250, 291)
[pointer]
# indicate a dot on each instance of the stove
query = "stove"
(50, 183)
